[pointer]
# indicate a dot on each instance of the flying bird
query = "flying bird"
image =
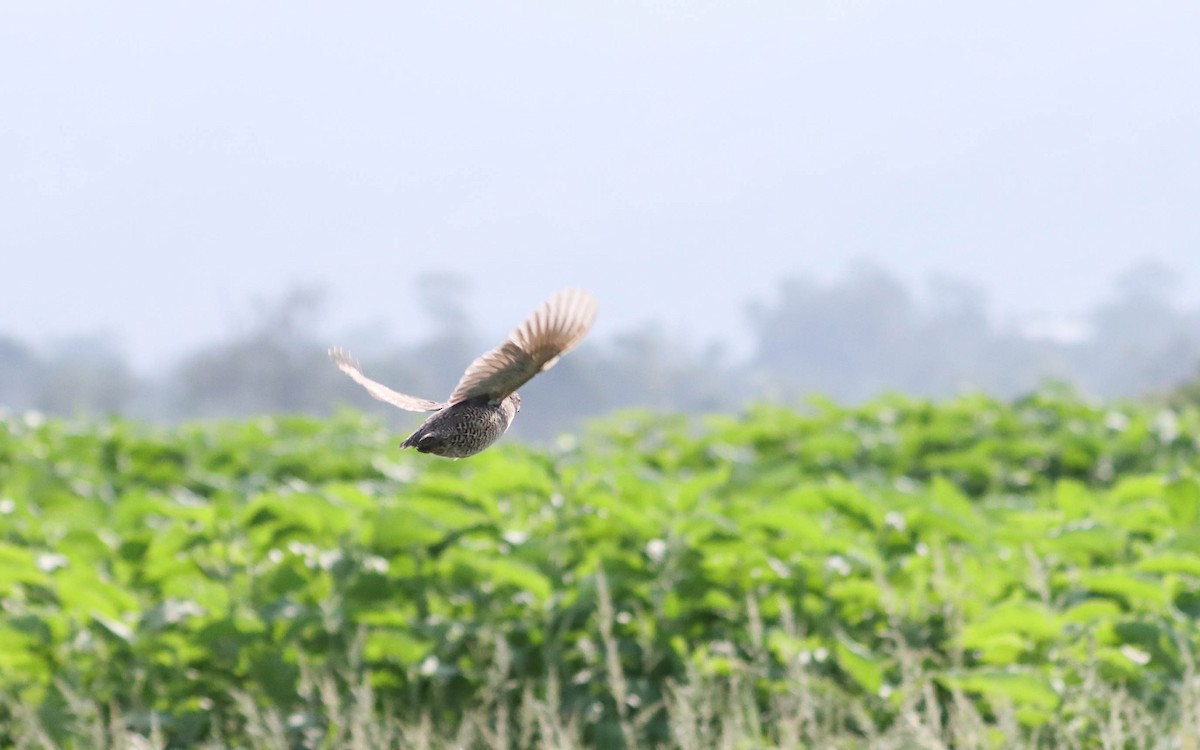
(484, 402)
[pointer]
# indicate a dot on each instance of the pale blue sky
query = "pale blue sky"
(162, 164)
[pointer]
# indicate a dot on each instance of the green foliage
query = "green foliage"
(1010, 552)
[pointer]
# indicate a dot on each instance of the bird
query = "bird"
(483, 404)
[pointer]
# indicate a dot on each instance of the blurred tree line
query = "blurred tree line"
(849, 340)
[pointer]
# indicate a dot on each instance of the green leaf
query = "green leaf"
(1025, 618)
(18, 653)
(394, 530)
(1074, 498)
(1132, 588)
(858, 661)
(1092, 610)
(502, 571)
(18, 565)
(1169, 562)
(1020, 687)
(394, 646)
(1136, 489)
(82, 592)
(1083, 543)
(948, 513)
(999, 648)
(1183, 499)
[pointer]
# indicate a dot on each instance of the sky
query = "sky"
(165, 165)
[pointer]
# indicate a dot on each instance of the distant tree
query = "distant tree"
(847, 340)
(85, 374)
(955, 347)
(863, 334)
(1186, 393)
(20, 374)
(274, 366)
(866, 333)
(1140, 341)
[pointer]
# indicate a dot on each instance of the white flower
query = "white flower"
(838, 564)
(1135, 655)
(515, 537)
(51, 561)
(656, 550)
(375, 564)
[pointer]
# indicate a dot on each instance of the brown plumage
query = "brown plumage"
(484, 402)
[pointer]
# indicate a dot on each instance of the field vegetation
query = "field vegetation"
(961, 574)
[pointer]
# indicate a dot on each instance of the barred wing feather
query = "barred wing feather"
(346, 364)
(535, 346)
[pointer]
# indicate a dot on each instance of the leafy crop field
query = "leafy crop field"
(906, 574)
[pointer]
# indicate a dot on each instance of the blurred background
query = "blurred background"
(770, 199)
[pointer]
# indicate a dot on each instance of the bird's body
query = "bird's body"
(465, 428)
(485, 401)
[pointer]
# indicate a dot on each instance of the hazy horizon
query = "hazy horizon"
(164, 166)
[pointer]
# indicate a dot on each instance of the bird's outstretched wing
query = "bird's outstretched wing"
(551, 331)
(346, 364)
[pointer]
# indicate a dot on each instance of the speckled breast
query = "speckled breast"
(460, 430)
